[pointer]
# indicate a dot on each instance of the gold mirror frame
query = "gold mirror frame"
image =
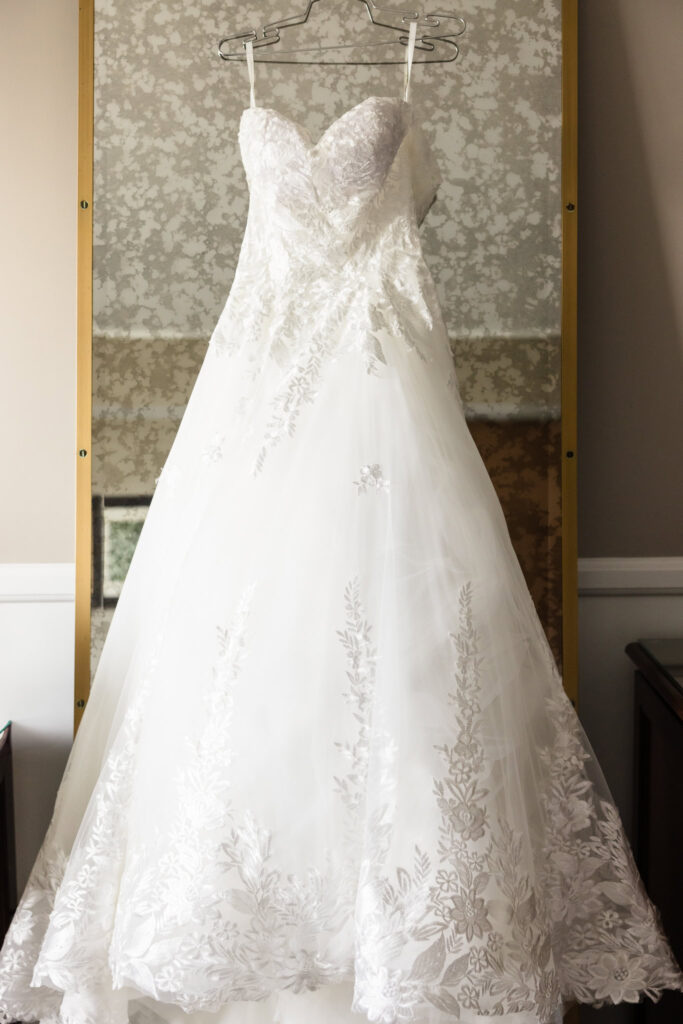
(84, 354)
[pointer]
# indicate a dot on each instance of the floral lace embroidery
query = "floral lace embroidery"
(242, 922)
(468, 962)
(213, 450)
(215, 919)
(371, 477)
(606, 932)
(299, 389)
(17, 999)
(588, 912)
(65, 914)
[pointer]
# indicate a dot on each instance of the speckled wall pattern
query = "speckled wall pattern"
(171, 203)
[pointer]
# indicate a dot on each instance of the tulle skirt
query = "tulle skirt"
(327, 771)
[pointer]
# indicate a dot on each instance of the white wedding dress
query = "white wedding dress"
(327, 772)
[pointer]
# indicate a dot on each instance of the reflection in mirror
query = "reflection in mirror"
(170, 208)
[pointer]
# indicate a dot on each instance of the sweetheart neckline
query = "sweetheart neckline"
(345, 113)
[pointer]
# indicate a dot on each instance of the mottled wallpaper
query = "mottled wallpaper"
(170, 190)
(170, 206)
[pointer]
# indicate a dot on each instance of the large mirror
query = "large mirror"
(170, 206)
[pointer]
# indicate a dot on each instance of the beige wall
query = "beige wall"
(631, 278)
(38, 203)
(630, 363)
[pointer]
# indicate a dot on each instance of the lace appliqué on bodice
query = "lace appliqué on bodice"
(332, 182)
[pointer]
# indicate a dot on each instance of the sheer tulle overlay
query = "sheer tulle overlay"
(327, 771)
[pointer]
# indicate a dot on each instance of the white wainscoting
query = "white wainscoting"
(36, 691)
(620, 600)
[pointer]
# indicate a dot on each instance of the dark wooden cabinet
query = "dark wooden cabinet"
(658, 832)
(8, 870)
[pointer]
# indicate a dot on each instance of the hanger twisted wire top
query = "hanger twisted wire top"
(441, 44)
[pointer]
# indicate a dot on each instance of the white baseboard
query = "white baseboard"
(630, 576)
(36, 582)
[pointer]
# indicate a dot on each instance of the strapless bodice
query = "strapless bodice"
(371, 167)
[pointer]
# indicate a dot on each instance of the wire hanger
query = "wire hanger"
(437, 45)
